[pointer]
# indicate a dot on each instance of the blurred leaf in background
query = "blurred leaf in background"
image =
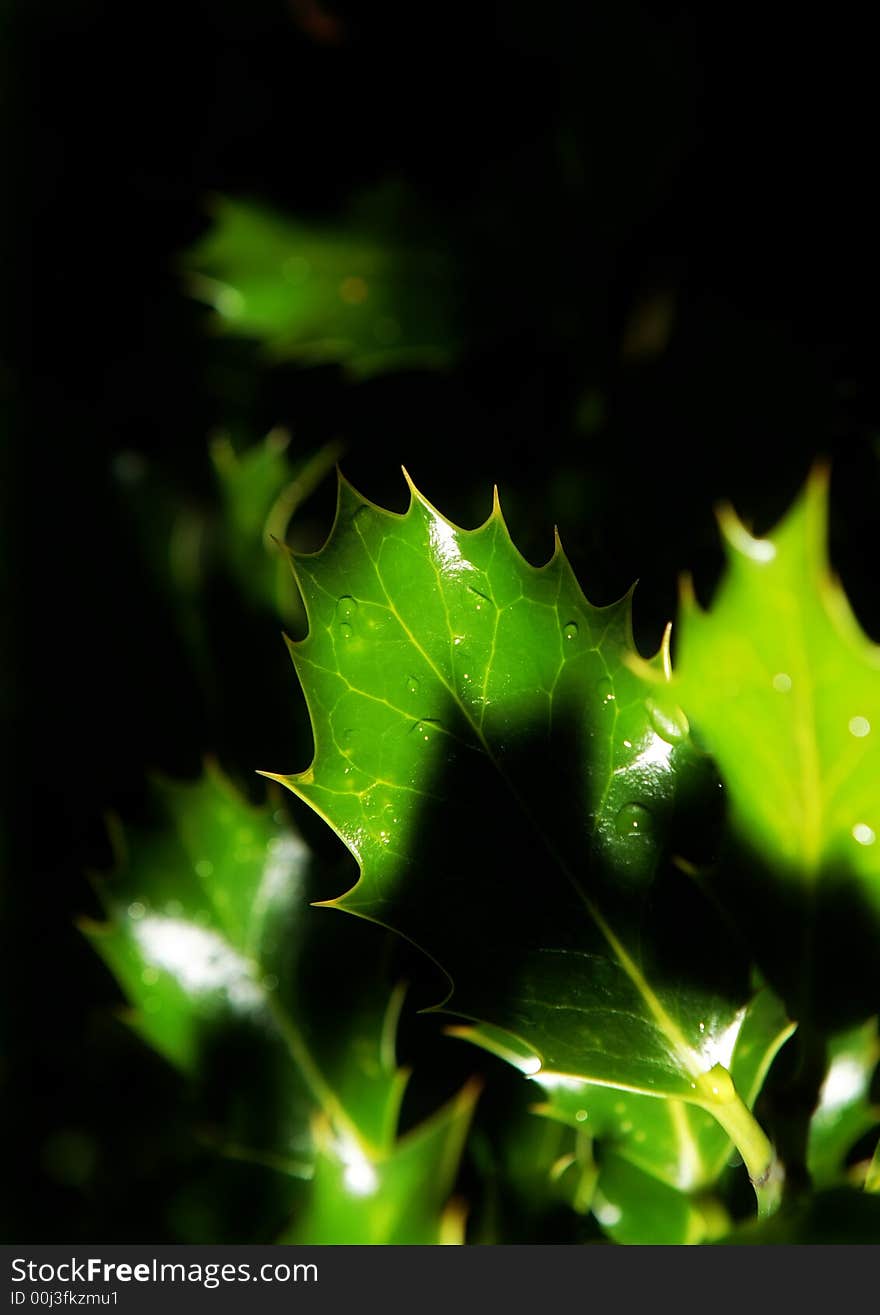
(236, 981)
(373, 291)
(848, 1108)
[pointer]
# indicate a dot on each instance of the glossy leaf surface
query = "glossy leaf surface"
(678, 1143)
(367, 290)
(489, 755)
(233, 977)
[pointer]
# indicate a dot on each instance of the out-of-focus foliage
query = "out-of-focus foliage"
(235, 534)
(847, 1109)
(374, 291)
(783, 688)
(234, 978)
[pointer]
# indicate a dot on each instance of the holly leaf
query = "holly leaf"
(679, 1143)
(494, 762)
(784, 690)
(370, 290)
(402, 1199)
(231, 976)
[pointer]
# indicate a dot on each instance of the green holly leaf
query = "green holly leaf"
(784, 690)
(636, 1208)
(370, 290)
(846, 1110)
(400, 1199)
(488, 752)
(231, 975)
(678, 1143)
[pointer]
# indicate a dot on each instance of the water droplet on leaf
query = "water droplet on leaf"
(671, 727)
(863, 834)
(782, 682)
(633, 820)
(859, 727)
(570, 630)
(413, 684)
(605, 690)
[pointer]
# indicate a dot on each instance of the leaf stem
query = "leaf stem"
(749, 1138)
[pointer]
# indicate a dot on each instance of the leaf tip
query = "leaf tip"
(739, 540)
(666, 651)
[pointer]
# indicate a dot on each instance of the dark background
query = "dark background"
(594, 170)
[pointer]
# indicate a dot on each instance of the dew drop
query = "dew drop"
(863, 834)
(424, 729)
(782, 682)
(605, 690)
(633, 820)
(361, 518)
(136, 910)
(346, 608)
(413, 684)
(390, 815)
(702, 1027)
(581, 1116)
(859, 727)
(570, 630)
(457, 639)
(346, 630)
(671, 727)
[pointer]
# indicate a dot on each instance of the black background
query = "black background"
(580, 160)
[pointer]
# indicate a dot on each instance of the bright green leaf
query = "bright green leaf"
(784, 690)
(678, 1143)
(489, 754)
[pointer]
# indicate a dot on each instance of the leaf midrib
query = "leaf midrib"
(686, 1056)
